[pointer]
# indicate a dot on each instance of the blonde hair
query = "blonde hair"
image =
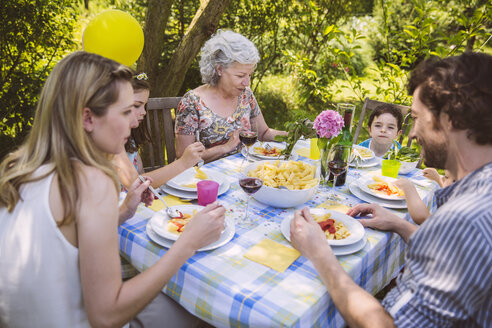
(57, 136)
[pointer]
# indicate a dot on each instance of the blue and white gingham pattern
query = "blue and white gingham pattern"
(227, 290)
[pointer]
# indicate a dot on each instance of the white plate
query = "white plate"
(375, 161)
(394, 204)
(349, 249)
(159, 220)
(356, 229)
(255, 156)
(365, 150)
(188, 176)
(193, 194)
(363, 182)
(225, 237)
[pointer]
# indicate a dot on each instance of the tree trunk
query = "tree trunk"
(204, 24)
(158, 12)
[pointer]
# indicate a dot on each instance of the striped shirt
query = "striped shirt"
(447, 280)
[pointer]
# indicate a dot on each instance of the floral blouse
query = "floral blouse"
(192, 114)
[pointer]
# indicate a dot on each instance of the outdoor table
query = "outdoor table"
(226, 289)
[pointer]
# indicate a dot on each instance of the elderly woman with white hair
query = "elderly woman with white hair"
(225, 104)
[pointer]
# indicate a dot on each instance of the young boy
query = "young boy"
(384, 127)
(416, 207)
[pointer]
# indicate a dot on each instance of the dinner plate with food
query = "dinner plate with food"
(363, 157)
(340, 229)
(381, 187)
(267, 150)
(393, 204)
(362, 152)
(164, 230)
(188, 179)
(223, 187)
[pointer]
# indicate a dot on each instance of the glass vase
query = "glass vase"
(324, 145)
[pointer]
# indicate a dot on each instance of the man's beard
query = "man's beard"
(435, 154)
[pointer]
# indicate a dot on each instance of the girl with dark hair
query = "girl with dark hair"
(129, 164)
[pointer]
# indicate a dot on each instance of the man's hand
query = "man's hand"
(382, 219)
(306, 235)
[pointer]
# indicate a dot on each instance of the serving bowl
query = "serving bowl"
(407, 167)
(281, 198)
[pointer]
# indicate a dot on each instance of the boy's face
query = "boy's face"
(384, 129)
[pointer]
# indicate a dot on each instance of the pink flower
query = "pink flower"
(346, 69)
(328, 124)
(334, 65)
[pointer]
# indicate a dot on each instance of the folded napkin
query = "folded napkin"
(306, 152)
(170, 201)
(335, 207)
(272, 254)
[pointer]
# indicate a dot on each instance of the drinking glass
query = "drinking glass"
(250, 186)
(248, 139)
(338, 158)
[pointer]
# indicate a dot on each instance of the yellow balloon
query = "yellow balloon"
(114, 34)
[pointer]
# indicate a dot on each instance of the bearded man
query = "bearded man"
(448, 262)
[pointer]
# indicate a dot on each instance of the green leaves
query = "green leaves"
(296, 130)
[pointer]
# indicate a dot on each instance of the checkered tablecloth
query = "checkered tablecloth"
(227, 290)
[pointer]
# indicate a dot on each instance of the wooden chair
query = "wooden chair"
(370, 104)
(160, 123)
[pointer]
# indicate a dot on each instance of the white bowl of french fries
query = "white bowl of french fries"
(285, 183)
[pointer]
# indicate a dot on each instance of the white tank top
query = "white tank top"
(39, 269)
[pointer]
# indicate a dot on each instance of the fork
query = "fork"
(171, 212)
(197, 138)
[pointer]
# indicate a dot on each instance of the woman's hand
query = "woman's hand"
(193, 154)
(233, 141)
(137, 193)
(204, 228)
(306, 235)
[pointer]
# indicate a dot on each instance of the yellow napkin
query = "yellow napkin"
(336, 207)
(306, 152)
(272, 254)
(170, 201)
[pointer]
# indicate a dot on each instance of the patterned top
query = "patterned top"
(367, 143)
(447, 278)
(193, 114)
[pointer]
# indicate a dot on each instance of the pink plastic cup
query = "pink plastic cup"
(207, 192)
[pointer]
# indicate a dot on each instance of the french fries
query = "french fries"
(292, 175)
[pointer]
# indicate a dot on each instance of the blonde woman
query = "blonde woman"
(59, 263)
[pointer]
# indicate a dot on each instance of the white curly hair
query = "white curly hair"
(223, 49)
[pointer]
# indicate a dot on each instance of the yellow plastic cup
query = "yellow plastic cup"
(390, 168)
(314, 150)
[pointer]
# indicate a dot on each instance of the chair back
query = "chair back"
(160, 124)
(370, 104)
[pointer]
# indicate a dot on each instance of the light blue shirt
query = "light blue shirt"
(447, 280)
(367, 143)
